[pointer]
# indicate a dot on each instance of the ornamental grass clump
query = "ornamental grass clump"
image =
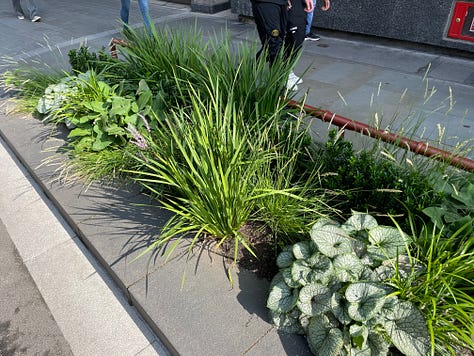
(201, 157)
(332, 289)
(444, 290)
(177, 63)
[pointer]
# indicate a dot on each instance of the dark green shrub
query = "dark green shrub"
(373, 183)
(82, 59)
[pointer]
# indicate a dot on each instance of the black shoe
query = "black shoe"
(312, 37)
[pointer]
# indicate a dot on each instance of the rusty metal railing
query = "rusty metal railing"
(417, 147)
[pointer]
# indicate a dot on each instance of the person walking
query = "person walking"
(31, 10)
(125, 12)
(281, 24)
(310, 35)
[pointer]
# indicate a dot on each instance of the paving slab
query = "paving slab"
(75, 306)
(26, 323)
(205, 314)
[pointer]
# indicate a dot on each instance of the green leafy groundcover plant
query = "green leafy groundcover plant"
(97, 113)
(456, 209)
(332, 289)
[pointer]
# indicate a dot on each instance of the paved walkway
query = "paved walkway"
(76, 245)
(54, 296)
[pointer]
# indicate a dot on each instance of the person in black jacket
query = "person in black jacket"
(281, 24)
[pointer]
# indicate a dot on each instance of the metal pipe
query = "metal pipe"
(417, 147)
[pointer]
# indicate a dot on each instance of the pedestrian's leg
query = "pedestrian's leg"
(143, 4)
(309, 19)
(31, 9)
(124, 10)
(296, 30)
(17, 8)
(270, 20)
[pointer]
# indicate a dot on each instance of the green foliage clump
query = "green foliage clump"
(96, 112)
(456, 209)
(374, 184)
(332, 289)
(83, 59)
(444, 291)
(29, 84)
(178, 62)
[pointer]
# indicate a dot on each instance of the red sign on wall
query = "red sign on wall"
(462, 22)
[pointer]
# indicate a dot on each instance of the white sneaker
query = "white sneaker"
(293, 81)
(21, 17)
(36, 19)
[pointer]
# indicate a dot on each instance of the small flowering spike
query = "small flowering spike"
(147, 125)
(138, 139)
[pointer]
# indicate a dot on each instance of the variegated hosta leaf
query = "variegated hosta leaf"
(359, 352)
(322, 270)
(288, 322)
(285, 259)
(366, 300)
(282, 298)
(401, 265)
(384, 272)
(359, 335)
(361, 221)
(368, 275)
(347, 267)
(304, 320)
(314, 299)
(300, 271)
(317, 269)
(331, 240)
(302, 250)
(324, 340)
(389, 307)
(387, 242)
(339, 307)
(276, 279)
(377, 344)
(407, 329)
(288, 278)
(324, 221)
(359, 247)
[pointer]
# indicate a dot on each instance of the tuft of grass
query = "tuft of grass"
(177, 62)
(441, 285)
(291, 215)
(28, 83)
(203, 154)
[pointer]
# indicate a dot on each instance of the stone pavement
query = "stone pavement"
(26, 324)
(55, 298)
(108, 226)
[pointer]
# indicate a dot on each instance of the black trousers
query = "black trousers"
(279, 28)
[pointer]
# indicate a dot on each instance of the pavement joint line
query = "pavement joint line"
(258, 340)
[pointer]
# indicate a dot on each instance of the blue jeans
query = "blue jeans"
(125, 11)
(309, 19)
(30, 7)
